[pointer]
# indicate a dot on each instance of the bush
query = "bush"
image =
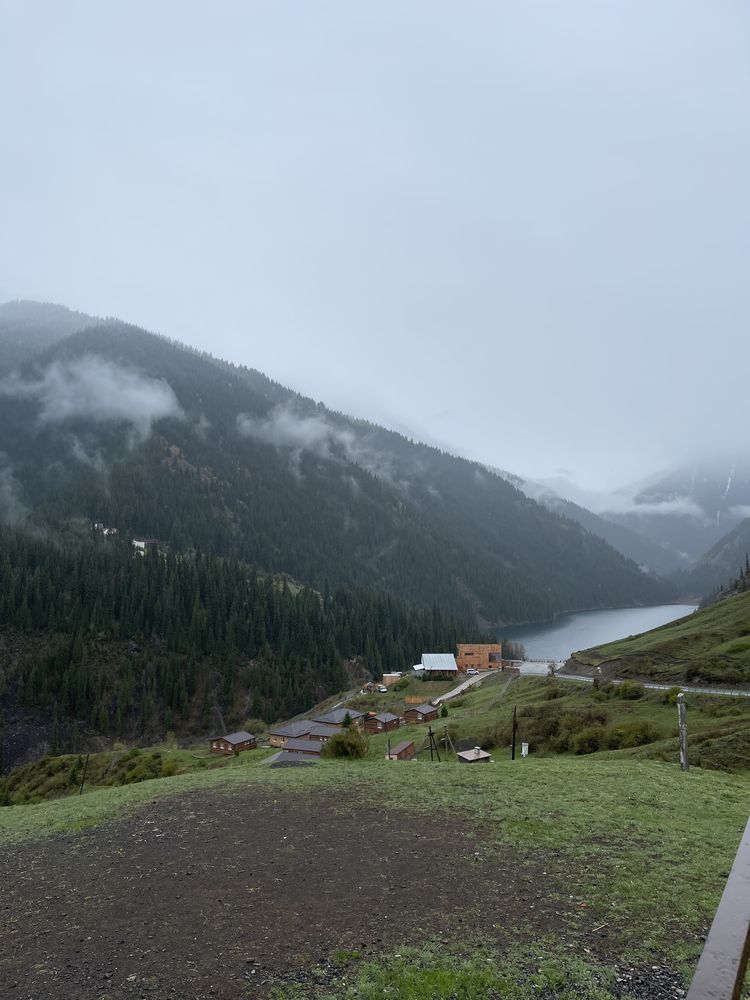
(169, 768)
(349, 744)
(670, 697)
(402, 684)
(255, 726)
(588, 740)
(444, 712)
(630, 690)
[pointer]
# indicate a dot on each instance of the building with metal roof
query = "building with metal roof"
(439, 663)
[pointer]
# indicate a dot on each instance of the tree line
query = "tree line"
(135, 645)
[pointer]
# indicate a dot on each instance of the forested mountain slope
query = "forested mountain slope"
(719, 565)
(642, 550)
(98, 639)
(119, 426)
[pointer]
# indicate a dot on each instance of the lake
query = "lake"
(583, 629)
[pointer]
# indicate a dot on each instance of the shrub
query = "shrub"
(169, 768)
(255, 726)
(588, 740)
(670, 697)
(444, 712)
(402, 684)
(630, 690)
(350, 744)
(630, 734)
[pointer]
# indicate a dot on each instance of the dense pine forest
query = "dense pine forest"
(101, 639)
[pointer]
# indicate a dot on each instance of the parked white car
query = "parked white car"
(472, 672)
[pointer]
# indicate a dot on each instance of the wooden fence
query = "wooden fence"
(721, 970)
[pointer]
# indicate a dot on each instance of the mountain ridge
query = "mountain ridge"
(117, 425)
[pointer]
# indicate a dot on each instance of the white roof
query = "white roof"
(439, 661)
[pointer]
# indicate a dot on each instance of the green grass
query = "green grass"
(428, 973)
(55, 777)
(711, 646)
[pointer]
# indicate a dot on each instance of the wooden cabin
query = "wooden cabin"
(321, 733)
(383, 722)
(279, 735)
(439, 666)
(421, 713)
(401, 751)
(337, 716)
(233, 743)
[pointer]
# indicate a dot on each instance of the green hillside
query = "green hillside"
(711, 646)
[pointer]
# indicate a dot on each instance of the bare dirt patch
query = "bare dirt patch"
(214, 893)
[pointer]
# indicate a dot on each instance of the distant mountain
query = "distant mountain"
(647, 554)
(687, 511)
(679, 515)
(119, 426)
(719, 566)
(28, 327)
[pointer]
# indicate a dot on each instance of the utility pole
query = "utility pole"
(682, 721)
(83, 779)
(513, 741)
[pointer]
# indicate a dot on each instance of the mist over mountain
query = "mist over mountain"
(28, 327)
(718, 567)
(679, 514)
(647, 553)
(116, 425)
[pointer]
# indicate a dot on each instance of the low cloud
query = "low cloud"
(93, 388)
(741, 510)
(676, 507)
(285, 428)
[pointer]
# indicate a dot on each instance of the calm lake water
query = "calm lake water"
(583, 629)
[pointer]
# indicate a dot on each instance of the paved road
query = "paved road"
(537, 668)
(463, 686)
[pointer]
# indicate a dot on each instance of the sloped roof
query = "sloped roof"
(474, 754)
(422, 709)
(321, 730)
(403, 745)
(439, 661)
(337, 716)
(292, 729)
(236, 737)
(385, 717)
(302, 746)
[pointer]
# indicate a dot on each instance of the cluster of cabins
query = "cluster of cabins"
(305, 738)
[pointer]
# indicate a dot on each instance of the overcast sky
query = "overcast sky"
(518, 229)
